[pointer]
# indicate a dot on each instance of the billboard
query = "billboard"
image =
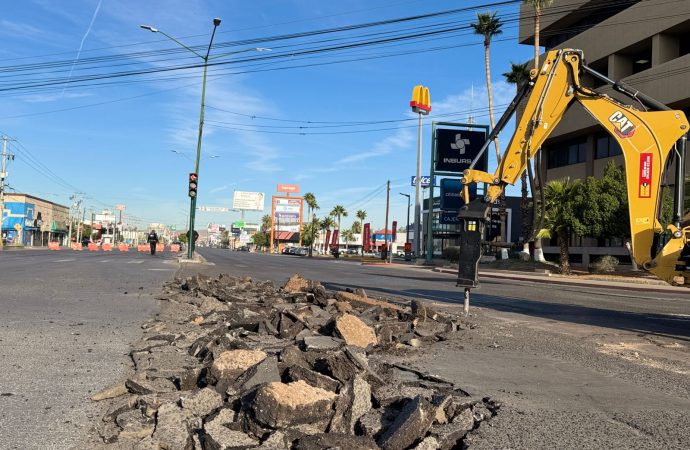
(253, 201)
(449, 218)
(451, 194)
(287, 214)
(455, 150)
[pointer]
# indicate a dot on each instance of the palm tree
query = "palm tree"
(488, 26)
(312, 206)
(348, 235)
(338, 212)
(361, 215)
(559, 198)
(326, 224)
(538, 5)
(266, 223)
(518, 75)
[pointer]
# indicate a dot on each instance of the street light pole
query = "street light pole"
(192, 202)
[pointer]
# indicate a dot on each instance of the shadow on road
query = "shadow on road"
(675, 327)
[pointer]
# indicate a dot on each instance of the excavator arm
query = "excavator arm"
(646, 136)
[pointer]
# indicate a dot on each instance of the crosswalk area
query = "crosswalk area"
(160, 263)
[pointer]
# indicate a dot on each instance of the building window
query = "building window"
(607, 147)
(567, 153)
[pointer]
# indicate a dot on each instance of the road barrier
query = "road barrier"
(123, 247)
(107, 247)
(76, 246)
(53, 246)
(92, 247)
(174, 248)
(160, 248)
(142, 248)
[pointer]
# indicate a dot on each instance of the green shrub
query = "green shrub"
(606, 263)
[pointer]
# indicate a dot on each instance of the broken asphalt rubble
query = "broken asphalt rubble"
(241, 364)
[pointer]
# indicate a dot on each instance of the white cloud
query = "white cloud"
(218, 189)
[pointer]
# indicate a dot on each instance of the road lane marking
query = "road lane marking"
(105, 260)
(135, 261)
(64, 260)
(162, 270)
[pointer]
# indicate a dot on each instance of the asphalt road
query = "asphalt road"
(66, 322)
(576, 367)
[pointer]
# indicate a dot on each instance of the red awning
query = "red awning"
(285, 235)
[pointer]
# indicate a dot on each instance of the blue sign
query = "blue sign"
(451, 194)
(455, 150)
(426, 181)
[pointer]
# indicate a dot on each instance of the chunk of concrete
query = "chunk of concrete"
(363, 302)
(143, 386)
(355, 332)
(296, 284)
(353, 402)
(172, 428)
(322, 343)
(296, 373)
(447, 435)
(264, 372)
(110, 392)
(219, 436)
(280, 405)
(202, 403)
(335, 441)
(411, 425)
(230, 364)
(134, 425)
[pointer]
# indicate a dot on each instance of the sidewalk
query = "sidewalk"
(603, 281)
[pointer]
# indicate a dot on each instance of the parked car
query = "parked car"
(302, 251)
(244, 248)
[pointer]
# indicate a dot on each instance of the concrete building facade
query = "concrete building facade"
(645, 44)
(33, 221)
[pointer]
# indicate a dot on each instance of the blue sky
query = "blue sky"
(111, 138)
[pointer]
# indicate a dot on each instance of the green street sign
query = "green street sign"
(238, 224)
(172, 227)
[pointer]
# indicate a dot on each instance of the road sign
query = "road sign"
(120, 207)
(213, 209)
(238, 224)
(455, 150)
(253, 201)
(426, 181)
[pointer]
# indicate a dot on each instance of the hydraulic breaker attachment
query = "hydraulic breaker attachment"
(472, 225)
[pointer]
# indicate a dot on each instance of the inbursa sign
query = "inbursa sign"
(456, 149)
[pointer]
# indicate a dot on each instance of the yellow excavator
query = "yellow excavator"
(648, 134)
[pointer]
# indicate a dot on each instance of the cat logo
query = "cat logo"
(624, 127)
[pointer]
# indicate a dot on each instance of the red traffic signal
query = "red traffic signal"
(193, 183)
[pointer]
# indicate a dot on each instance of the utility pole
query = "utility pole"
(3, 174)
(384, 254)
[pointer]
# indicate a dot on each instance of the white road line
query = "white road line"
(162, 270)
(105, 260)
(135, 261)
(64, 260)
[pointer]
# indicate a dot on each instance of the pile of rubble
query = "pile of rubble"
(240, 364)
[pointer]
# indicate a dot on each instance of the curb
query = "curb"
(635, 285)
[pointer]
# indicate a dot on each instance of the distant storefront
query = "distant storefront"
(32, 221)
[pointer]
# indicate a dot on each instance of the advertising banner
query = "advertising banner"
(451, 194)
(367, 236)
(287, 214)
(288, 188)
(252, 201)
(328, 239)
(455, 150)
(334, 241)
(395, 231)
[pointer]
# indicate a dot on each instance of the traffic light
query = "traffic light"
(193, 183)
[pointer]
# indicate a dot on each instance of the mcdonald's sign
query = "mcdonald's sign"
(421, 101)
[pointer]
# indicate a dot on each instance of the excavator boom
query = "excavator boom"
(646, 136)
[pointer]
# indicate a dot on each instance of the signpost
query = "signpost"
(454, 147)
(286, 213)
(288, 188)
